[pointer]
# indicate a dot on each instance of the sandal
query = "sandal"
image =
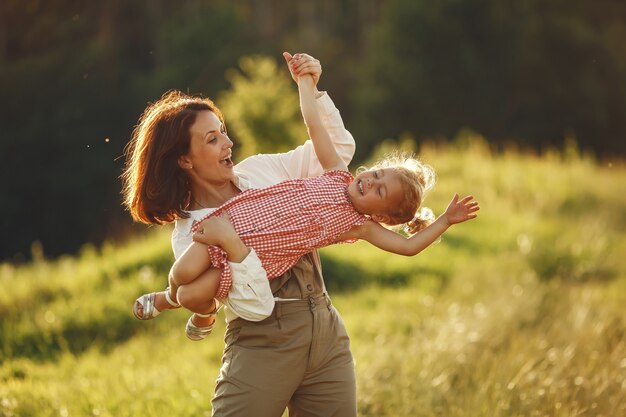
(147, 301)
(198, 333)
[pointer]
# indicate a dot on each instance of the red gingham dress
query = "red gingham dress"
(287, 220)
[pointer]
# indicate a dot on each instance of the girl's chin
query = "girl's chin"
(352, 196)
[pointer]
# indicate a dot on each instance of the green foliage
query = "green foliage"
(76, 76)
(571, 256)
(187, 50)
(517, 313)
(262, 108)
(76, 303)
(529, 71)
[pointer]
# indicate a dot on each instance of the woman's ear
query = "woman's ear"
(380, 218)
(184, 162)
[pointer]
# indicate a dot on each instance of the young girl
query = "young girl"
(287, 220)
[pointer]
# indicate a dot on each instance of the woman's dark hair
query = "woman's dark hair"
(155, 188)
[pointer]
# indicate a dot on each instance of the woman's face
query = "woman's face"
(210, 150)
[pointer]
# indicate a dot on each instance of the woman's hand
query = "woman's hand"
(219, 231)
(460, 211)
(215, 230)
(301, 64)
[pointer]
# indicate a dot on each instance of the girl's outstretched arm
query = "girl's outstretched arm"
(322, 143)
(458, 211)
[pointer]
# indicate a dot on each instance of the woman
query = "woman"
(299, 357)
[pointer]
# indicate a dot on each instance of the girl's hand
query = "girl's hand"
(460, 211)
(300, 64)
(216, 230)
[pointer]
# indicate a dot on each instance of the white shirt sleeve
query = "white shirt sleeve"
(267, 169)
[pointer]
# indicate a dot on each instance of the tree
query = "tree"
(533, 71)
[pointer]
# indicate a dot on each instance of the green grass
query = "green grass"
(518, 313)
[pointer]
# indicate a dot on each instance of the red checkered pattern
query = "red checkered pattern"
(287, 220)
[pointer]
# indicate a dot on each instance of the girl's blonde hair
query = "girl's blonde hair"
(417, 179)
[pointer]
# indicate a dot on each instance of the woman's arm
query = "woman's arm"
(219, 231)
(323, 145)
(195, 259)
(388, 240)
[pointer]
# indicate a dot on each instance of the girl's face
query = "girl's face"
(210, 151)
(376, 192)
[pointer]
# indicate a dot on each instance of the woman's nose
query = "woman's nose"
(228, 143)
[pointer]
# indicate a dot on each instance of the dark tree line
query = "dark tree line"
(74, 77)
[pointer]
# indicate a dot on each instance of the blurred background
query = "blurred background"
(75, 76)
(521, 103)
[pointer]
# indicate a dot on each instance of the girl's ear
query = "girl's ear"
(184, 162)
(380, 218)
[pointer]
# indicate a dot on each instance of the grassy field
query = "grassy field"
(518, 313)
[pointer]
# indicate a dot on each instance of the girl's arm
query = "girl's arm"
(377, 235)
(322, 143)
(302, 161)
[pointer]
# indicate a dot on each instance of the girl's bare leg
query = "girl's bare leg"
(198, 296)
(194, 261)
(192, 284)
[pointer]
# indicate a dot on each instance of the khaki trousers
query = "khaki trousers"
(298, 358)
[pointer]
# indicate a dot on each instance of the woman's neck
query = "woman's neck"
(211, 195)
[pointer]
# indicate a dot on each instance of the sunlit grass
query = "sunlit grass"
(518, 313)
(497, 346)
